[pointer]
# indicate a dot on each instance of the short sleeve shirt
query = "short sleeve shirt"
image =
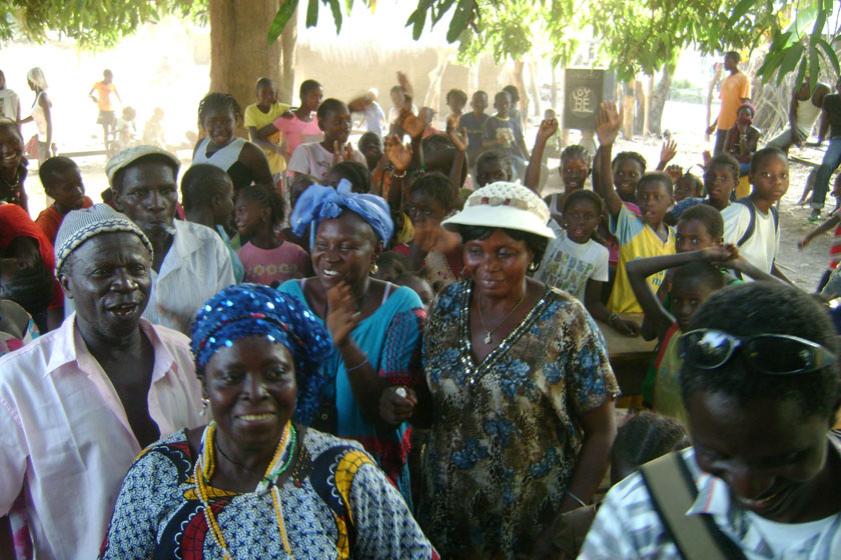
(9, 104)
(568, 265)
(734, 88)
(103, 99)
(258, 119)
(760, 249)
(475, 127)
(298, 132)
(312, 159)
(506, 132)
(274, 266)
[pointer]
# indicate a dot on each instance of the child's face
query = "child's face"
(422, 207)
(219, 125)
(581, 219)
(423, 289)
(686, 187)
(249, 217)
(626, 175)
(66, 188)
(492, 172)
(693, 235)
(455, 103)
(719, 182)
(770, 181)
(312, 99)
(372, 150)
(687, 296)
(502, 104)
(266, 95)
(654, 200)
(336, 126)
(745, 117)
(574, 173)
(223, 205)
(479, 102)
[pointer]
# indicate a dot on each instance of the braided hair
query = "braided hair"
(575, 151)
(622, 156)
(266, 196)
(215, 101)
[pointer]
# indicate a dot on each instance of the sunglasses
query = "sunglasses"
(773, 354)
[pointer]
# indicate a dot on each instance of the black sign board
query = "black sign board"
(584, 90)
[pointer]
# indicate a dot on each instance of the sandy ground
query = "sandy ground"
(684, 120)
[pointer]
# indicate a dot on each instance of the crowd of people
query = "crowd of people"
(310, 349)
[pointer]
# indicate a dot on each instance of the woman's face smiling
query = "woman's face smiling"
(219, 125)
(574, 173)
(497, 264)
(11, 148)
(252, 392)
(345, 248)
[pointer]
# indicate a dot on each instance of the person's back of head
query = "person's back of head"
(54, 167)
(355, 172)
(201, 183)
(492, 166)
(417, 284)
(709, 217)
(390, 265)
(438, 188)
(642, 438)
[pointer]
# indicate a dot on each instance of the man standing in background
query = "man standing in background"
(735, 90)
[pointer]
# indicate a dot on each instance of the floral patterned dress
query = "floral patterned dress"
(505, 439)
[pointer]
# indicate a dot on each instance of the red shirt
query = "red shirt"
(49, 220)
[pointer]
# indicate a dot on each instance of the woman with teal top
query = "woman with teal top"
(369, 382)
(254, 484)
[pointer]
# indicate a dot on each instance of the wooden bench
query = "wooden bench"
(630, 358)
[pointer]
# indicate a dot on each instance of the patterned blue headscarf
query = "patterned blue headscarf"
(251, 309)
(319, 203)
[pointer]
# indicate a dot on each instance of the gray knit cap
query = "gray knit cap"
(80, 225)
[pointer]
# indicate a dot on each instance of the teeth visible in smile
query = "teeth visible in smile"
(330, 273)
(255, 417)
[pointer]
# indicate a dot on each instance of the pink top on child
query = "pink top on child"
(270, 266)
(298, 132)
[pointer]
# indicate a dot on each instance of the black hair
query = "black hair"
(368, 138)
(536, 243)
(201, 183)
(703, 272)
(697, 186)
(54, 166)
(513, 92)
(726, 160)
(440, 145)
(268, 197)
(761, 155)
(489, 156)
(355, 172)
(329, 105)
(30, 287)
(457, 93)
(584, 195)
(707, 215)
(646, 436)
(657, 177)
(481, 92)
(264, 81)
(621, 156)
(576, 151)
(734, 55)
(117, 181)
(307, 86)
(219, 102)
(767, 308)
(505, 93)
(438, 187)
(391, 265)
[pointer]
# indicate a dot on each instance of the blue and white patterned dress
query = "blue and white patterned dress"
(505, 437)
(336, 504)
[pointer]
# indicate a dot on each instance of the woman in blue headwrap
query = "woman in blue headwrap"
(253, 484)
(375, 327)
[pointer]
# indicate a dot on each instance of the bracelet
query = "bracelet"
(359, 365)
(576, 499)
(612, 318)
(396, 175)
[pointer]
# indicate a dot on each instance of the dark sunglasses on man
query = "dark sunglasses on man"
(772, 354)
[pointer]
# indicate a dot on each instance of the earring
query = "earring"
(205, 402)
(374, 269)
(533, 266)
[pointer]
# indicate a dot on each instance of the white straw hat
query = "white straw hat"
(504, 205)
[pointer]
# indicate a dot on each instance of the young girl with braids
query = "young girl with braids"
(219, 115)
(267, 258)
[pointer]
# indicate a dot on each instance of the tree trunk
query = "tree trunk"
(239, 53)
(519, 65)
(288, 44)
(658, 101)
(711, 88)
(535, 91)
(628, 110)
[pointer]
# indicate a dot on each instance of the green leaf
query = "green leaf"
(281, 18)
(461, 18)
(312, 13)
(336, 8)
(418, 18)
(790, 59)
(740, 10)
(830, 54)
(442, 10)
(814, 68)
(801, 73)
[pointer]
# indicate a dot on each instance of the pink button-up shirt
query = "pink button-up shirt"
(65, 440)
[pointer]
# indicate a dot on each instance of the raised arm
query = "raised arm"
(830, 223)
(640, 269)
(607, 128)
(256, 138)
(667, 154)
(547, 128)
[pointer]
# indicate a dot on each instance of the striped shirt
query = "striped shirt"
(628, 525)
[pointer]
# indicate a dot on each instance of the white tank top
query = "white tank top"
(40, 118)
(223, 158)
(806, 115)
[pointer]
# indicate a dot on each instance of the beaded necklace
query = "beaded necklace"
(203, 472)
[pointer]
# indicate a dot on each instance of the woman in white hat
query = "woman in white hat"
(521, 387)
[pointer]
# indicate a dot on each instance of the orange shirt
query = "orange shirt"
(734, 88)
(49, 220)
(104, 92)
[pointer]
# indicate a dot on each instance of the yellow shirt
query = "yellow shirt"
(734, 88)
(258, 119)
(104, 91)
(637, 240)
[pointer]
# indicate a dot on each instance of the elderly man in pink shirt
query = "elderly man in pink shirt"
(79, 403)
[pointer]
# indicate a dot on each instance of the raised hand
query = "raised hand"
(721, 253)
(608, 122)
(458, 136)
(675, 172)
(548, 127)
(668, 151)
(342, 314)
(347, 153)
(398, 154)
(413, 125)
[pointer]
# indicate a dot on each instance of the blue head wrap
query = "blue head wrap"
(251, 309)
(319, 203)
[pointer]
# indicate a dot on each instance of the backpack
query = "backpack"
(752, 223)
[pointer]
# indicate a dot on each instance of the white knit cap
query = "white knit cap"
(128, 156)
(504, 205)
(80, 225)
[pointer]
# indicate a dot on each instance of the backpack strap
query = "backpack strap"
(751, 224)
(673, 491)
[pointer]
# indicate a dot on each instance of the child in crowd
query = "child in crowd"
(126, 129)
(492, 166)
(720, 178)
(390, 265)
(456, 101)
(575, 263)
(62, 182)
(300, 126)
(153, 130)
(371, 146)
(427, 116)
(474, 125)
(267, 258)
(640, 236)
(693, 281)
(354, 172)
(741, 141)
(420, 287)
(317, 158)
(628, 168)
(834, 221)
(688, 185)
(259, 119)
(752, 224)
(506, 134)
